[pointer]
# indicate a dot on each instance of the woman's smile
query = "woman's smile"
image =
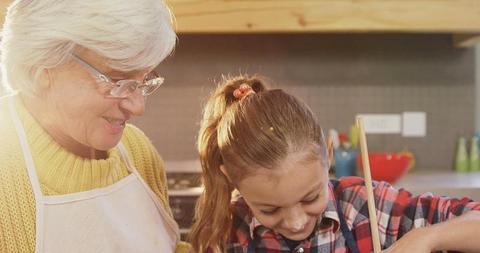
(114, 125)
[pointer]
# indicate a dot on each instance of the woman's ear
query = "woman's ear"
(224, 172)
(330, 150)
(45, 80)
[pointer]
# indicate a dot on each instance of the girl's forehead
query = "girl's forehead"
(289, 166)
(284, 185)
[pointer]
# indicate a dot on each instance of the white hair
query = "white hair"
(42, 34)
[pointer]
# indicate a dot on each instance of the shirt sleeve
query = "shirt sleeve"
(399, 211)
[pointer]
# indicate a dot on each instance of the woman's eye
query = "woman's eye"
(311, 200)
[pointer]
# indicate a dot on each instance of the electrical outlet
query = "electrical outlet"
(382, 123)
(414, 124)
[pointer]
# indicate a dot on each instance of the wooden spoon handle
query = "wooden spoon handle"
(368, 183)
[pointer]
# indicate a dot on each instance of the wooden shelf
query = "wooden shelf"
(458, 17)
(241, 16)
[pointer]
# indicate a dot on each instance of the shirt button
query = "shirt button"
(300, 250)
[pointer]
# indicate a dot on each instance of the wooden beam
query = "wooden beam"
(242, 16)
(247, 16)
(466, 40)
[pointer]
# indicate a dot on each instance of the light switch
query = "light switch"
(414, 124)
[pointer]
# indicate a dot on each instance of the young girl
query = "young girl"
(268, 145)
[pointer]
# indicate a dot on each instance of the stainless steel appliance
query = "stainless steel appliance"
(184, 187)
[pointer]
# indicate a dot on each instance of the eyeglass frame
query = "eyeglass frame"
(158, 80)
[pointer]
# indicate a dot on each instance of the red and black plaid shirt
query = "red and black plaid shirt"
(397, 212)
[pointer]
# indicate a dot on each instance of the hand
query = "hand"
(418, 240)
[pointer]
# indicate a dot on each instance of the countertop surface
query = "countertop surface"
(446, 183)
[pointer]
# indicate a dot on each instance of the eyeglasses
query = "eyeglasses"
(123, 88)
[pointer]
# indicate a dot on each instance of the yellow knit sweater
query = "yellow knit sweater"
(61, 172)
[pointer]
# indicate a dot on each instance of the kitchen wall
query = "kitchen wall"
(337, 75)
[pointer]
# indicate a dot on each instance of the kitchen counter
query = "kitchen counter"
(446, 183)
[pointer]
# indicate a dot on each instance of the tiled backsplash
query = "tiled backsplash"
(337, 75)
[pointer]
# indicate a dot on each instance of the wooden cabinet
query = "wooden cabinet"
(218, 16)
(458, 17)
(461, 18)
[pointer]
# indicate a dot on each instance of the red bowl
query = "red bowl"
(386, 166)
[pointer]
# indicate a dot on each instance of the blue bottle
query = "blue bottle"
(345, 160)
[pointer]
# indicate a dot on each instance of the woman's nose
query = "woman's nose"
(134, 103)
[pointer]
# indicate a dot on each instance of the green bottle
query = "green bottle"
(461, 160)
(474, 161)
(354, 135)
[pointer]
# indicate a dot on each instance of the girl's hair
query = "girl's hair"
(257, 131)
(38, 35)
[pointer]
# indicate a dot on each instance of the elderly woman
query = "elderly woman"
(74, 176)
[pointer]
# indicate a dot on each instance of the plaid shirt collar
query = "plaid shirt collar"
(328, 221)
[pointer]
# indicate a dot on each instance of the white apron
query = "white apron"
(123, 217)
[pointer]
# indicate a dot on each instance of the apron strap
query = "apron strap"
(126, 160)
(346, 232)
(251, 246)
(172, 224)
(32, 174)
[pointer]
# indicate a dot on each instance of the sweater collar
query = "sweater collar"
(61, 171)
